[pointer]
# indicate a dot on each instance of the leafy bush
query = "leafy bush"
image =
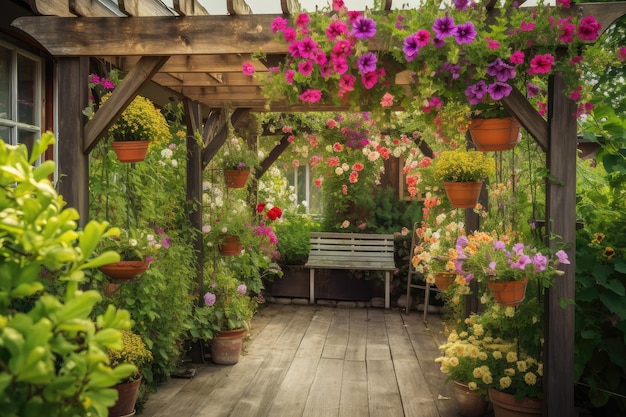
(294, 239)
(53, 356)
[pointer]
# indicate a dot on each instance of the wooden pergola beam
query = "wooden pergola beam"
(273, 156)
(121, 97)
(527, 115)
(221, 135)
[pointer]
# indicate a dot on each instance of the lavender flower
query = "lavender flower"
(443, 27)
(465, 33)
(209, 299)
(411, 47)
(367, 62)
(501, 70)
(363, 28)
(499, 90)
(242, 289)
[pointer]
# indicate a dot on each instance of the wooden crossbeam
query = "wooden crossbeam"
(189, 8)
(91, 8)
(50, 7)
(144, 8)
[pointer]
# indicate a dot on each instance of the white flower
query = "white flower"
(345, 166)
(224, 229)
(132, 242)
(339, 171)
(166, 153)
(206, 185)
(206, 228)
(174, 163)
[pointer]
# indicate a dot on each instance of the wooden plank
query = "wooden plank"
(237, 7)
(325, 392)
(417, 400)
(561, 215)
(166, 394)
(91, 8)
(312, 343)
(189, 8)
(257, 399)
(383, 393)
(221, 135)
(50, 7)
(144, 8)
(517, 104)
(294, 390)
(290, 7)
(337, 337)
(399, 341)
(377, 343)
(292, 335)
(264, 341)
(194, 63)
(186, 35)
(357, 340)
(354, 401)
(119, 100)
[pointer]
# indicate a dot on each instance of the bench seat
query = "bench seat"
(351, 251)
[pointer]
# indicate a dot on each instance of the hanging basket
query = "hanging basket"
(124, 270)
(494, 134)
(443, 280)
(504, 405)
(230, 246)
(236, 178)
(463, 194)
(131, 151)
(509, 293)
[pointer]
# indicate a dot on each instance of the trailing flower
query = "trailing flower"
(135, 244)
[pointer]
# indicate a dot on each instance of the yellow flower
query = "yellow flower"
(530, 378)
(497, 355)
(509, 372)
(478, 330)
(478, 372)
(521, 366)
(509, 311)
(454, 361)
(505, 382)
(511, 357)
(487, 379)
(472, 386)
(482, 356)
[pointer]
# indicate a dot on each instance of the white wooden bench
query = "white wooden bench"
(353, 251)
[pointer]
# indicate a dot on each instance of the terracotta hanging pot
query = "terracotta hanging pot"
(443, 280)
(230, 245)
(494, 134)
(509, 293)
(127, 397)
(504, 405)
(124, 270)
(463, 194)
(226, 346)
(236, 178)
(131, 151)
(469, 403)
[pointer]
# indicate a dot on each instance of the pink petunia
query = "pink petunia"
(289, 74)
(621, 54)
(589, 28)
(517, 58)
(541, 64)
(248, 68)
(311, 96)
(305, 67)
(387, 100)
(354, 177)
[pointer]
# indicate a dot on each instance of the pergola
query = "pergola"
(197, 58)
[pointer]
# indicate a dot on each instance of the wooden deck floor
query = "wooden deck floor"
(309, 361)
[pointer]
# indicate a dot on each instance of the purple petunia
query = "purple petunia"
(443, 27)
(411, 47)
(367, 63)
(500, 70)
(465, 33)
(209, 299)
(363, 28)
(520, 263)
(497, 91)
(562, 257)
(476, 92)
(540, 262)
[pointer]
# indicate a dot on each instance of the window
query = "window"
(300, 178)
(20, 96)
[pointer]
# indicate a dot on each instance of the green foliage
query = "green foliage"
(53, 356)
(460, 165)
(294, 234)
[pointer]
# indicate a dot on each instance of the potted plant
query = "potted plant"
(294, 244)
(139, 124)
(492, 128)
(462, 172)
(506, 266)
(133, 352)
(228, 309)
(136, 247)
(237, 161)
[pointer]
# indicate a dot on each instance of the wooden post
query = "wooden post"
(561, 220)
(73, 164)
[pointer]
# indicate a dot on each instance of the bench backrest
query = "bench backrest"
(351, 249)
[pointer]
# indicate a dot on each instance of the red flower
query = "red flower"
(260, 207)
(274, 213)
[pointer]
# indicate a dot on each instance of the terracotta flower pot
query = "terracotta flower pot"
(226, 346)
(463, 194)
(236, 178)
(494, 134)
(443, 280)
(470, 403)
(509, 293)
(127, 397)
(124, 270)
(131, 151)
(230, 245)
(504, 405)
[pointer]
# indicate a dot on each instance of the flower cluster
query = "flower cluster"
(235, 155)
(476, 358)
(133, 351)
(136, 244)
(227, 303)
(460, 165)
(267, 213)
(486, 257)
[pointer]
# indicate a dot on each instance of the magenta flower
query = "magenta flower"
(422, 37)
(302, 20)
(320, 58)
(370, 79)
(465, 33)
(346, 82)
(325, 70)
(242, 289)
(367, 62)
(289, 74)
(289, 34)
(340, 65)
(567, 33)
(336, 29)
(443, 27)
(209, 299)
(311, 96)
(363, 28)
(541, 64)
(460, 4)
(520, 263)
(279, 24)
(589, 28)
(532, 90)
(499, 245)
(308, 48)
(517, 58)
(305, 67)
(540, 262)
(248, 68)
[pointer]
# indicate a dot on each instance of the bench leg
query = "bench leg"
(312, 286)
(387, 282)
